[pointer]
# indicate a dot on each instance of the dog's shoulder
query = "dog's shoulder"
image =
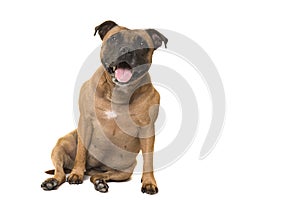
(87, 92)
(145, 105)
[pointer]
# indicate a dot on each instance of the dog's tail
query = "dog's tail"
(88, 172)
(52, 171)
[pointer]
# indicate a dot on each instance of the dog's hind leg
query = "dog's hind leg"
(63, 156)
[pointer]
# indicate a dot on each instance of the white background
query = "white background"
(255, 46)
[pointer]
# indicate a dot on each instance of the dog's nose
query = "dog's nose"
(124, 50)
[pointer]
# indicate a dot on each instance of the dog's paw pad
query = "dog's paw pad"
(149, 189)
(75, 179)
(50, 184)
(101, 186)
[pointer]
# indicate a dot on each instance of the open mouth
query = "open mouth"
(122, 72)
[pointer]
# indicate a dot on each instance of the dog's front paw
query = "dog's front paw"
(75, 178)
(149, 189)
(50, 184)
(101, 186)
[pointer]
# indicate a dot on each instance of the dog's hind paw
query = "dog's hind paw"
(101, 186)
(50, 184)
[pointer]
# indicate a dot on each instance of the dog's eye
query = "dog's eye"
(113, 40)
(142, 43)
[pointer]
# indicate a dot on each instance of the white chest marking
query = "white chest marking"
(110, 114)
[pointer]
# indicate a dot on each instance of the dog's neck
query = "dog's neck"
(123, 94)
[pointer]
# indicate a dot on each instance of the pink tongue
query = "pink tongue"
(123, 75)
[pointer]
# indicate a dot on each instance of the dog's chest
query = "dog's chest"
(110, 114)
(115, 128)
(117, 122)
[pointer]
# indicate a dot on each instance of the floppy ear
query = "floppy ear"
(157, 38)
(104, 28)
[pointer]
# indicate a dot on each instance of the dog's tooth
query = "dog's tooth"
(114, 68)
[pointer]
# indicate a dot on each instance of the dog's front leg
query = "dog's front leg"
(83, 141)
(147, 139)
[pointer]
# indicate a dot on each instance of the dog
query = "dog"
(118, 108)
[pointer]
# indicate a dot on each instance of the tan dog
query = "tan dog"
(118, 107)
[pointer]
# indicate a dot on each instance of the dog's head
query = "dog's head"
(127, 54)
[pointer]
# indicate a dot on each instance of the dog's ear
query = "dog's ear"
(104, 28)
(157, 38)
